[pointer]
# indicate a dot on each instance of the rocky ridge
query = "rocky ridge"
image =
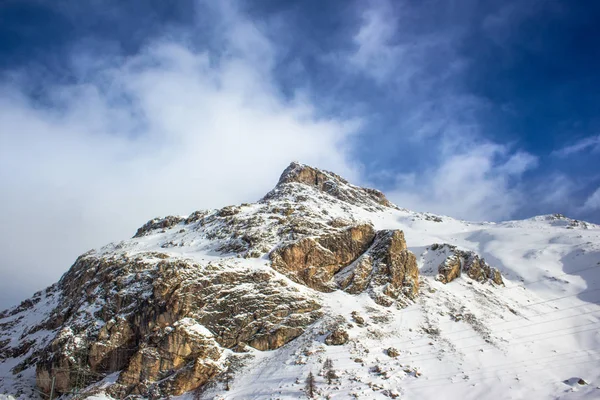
(166, 322)
(168, 310)
(463, 261)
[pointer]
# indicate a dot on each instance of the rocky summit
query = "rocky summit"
(317, 276)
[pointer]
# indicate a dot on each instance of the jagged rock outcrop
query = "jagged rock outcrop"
(331, 184)
(188, 349)
(164, 322)
(459, 261)
(314, 261)
(158, 223)
(388, 270)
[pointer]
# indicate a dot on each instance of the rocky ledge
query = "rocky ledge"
(468, 262)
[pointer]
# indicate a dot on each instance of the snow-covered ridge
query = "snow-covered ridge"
(204, 284)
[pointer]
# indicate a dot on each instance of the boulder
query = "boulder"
(337, 338)
(360, 321)
(392, 352)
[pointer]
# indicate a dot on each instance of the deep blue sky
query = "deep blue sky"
(474, 109)
(531, 68)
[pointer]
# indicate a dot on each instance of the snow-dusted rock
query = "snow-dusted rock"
(388, 270)
(238, 302)
(469, 262)
(314, 261)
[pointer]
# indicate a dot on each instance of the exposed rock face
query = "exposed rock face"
(450, 269)
(337, 338)
(164, 322)
(388, 269)
(477, 269)
(166, 331)
(189, 351)
(314, 261)
(469, 262)
(332, 184)
(158, 223)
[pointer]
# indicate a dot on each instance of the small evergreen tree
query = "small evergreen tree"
(330, 375)
(227, 382)
(227, 378)
(310, 385)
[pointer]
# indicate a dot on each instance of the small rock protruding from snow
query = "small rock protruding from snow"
(392, 352)
(337, 338)
(469, 262)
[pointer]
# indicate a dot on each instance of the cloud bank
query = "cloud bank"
(170, 130)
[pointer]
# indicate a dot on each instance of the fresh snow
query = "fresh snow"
(536, 337)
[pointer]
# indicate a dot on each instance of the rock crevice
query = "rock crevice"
(387, 270)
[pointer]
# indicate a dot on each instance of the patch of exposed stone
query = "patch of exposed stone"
(468, 262)
(158, 223)
(332, 184)
(387, 270)
(162, 322)
(314, 261)
(337, 338)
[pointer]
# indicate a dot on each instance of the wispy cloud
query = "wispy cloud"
(375, 54)
(394, 51)
(590, 143)
(467, 175)
(592, 203)
(477, 184)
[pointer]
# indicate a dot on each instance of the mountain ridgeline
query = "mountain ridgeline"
(193, 301)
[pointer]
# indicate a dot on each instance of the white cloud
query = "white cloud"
(392, 51)
(375, 54)
(476, 184)
(167, 131)
(591, 143)
(468, 176)
(592, 203)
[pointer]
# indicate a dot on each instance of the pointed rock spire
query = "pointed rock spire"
(331, 184)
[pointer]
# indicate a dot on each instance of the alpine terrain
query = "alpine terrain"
(321, 289)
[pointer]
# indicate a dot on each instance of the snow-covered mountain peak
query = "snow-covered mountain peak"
(329, 183)
(244, 301)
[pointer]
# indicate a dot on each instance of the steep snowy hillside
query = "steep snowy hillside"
(325, 277)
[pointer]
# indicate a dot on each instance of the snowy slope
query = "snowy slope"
(535, 337)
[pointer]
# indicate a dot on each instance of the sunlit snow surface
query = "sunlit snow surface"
(534, 338)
